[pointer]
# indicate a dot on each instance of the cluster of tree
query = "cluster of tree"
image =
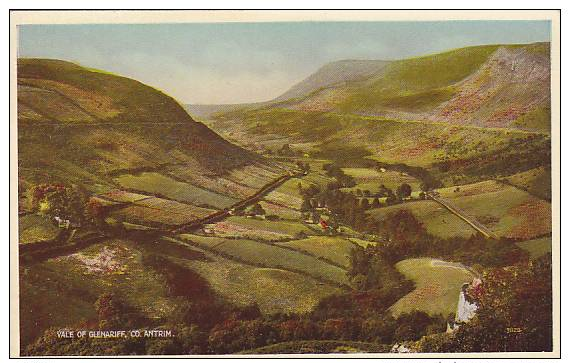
(256, 210)
(304, 167)
(343, 207)
(61, 201)
(516, 156)
(514, 313)
(236, 335)
(286, 150)
(428, 181)
(405, 236)
(239, 329)
(343, 180)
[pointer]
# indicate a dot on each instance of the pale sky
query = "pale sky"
(249, 62)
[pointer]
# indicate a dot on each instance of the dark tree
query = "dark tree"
(404, 191)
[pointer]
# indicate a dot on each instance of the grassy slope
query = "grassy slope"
(537, 247)
(509, 212)
(336, 249)
(536, 181)
(504, 209)
(437, 220)
(266, 255)
(61, 291)
(79, 126)
(159, 184)
(437, 287)
(407, 87)
(418, 83)
(274, 290)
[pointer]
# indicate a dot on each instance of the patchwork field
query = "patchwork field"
(216, 183)
(255, 176)
(121, 196)
(509, 212)
(153, 211)
(437, 286)
(280, 210)
(335, 249)
(270, 256)
(244, 227)
(505, 210)
(371, 179)
(274, 290)
(34, 228)
(155, 183)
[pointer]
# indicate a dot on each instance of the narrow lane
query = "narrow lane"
(475, 224)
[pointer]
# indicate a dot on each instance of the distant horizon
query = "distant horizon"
(236, 63)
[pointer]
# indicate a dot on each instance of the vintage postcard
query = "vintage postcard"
(285, 183)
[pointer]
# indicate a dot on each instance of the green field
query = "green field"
(487, 186)
(505, 210)
(335, 249)
(536, 181)
(155, 183)
(361, 242)
(371, 179)
(288, 194)
(437, 286)
(537, 247)
(156, 211)
(281, 211)
(509, 212)
(266, 255)
(437, 220)
(274, 290)
(237, 226)
(34, 228)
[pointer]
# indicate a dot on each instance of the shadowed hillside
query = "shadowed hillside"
(78, 125)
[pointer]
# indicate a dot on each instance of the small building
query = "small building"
(62, 223)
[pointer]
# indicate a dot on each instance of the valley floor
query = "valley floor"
(278, 260)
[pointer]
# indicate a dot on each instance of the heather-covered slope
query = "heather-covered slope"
(473, 111)
(486, 86)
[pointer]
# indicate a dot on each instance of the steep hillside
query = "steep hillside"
(487, 86)
(334, 74)
(77, 125)
(473, 111)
